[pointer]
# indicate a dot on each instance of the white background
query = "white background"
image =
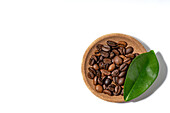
(42, 43)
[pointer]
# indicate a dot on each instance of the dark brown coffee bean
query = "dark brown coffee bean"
(95, 66)
(122, 43)
(115, 79)
(104, 86)
(117, 65)
(112, 54)
(105, 72)
(118, 89)
(91, 69)
(115, 73)
(90, 75)
(99, 47)
(107, 61)
(99, 81)
(100, 58)
(124, 51)
(107, 81)
(120, 51)
(123, 67)
(122, 74)
(111, 67)
(117, 60)
(101, 65)
(110, 77)
(111, 87)
(127, 60)
(106, 66)
(106, 48)
(91, 61)
(95, 80)
(104, 54)
(97, 53)
(129, 50)
(116, 52)
(130, 56)
(136, 54)
(98, 73)
(107, 92)
(121, 81)
(122, 92)
(111, 43)
(99, 88)
(122, 56)
(94, 57)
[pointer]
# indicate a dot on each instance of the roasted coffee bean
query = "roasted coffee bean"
(111, 67)
(111, 43)
(116, 52)
(103, 78)
(129, 50)
(111, 87)
(123, 67)
(105, 72)
(99, 88)
(99, 47)
(122, 56)
(94, 57)
(95, 66)
(107, 61)
(110, 77)
(91, 69)
(100, 58)
(99, 81)
(95, 80)
(117, 60)
(91, 61)
(101, 65)
(107, 81)
(106, 48)
(118, 89)
(90, 75)
(107, 92)
(104, 54)
(121, 81)
(117, 65)
(115, 79)
(122, 74)
(116, 47)
(122, 43)
(122, 92)
(124, 51)
(136, 54)
(97, 53)
(112, 54)
(127, 60)
(98, 73)
(115, 73)
(120, 51)
(104, 86)
(130, 56)
(106, 66)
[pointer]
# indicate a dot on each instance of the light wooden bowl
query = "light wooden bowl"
(138, 48)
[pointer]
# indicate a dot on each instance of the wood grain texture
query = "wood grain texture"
(138, 48)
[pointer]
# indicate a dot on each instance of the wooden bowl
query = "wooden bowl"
(138, 48)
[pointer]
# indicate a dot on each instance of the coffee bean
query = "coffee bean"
(122, 92)
(91, 69)
(122, 56)
(111, 87)
(99, 47)
(97, 53)
(107, 92)
(118, 89)
(107, 61)
(104, 54)
(115, 73)
(111, 67)
(91, 61)
(94, 57)
(99, 88)
(99, 81)
(122, 74)
(127, 60)
(136, 54)
(129, 50)
(117, 60)
(90, 75)
(95, 66)
(124, 51)
(106, 66)
(106, 48)
(107, 81)
(101, 65)
(115, 79)
(110, 77)
(100, 58)
(105, 72)
(111, 43)
(130, 56)
(104, 86)
(123, 67)
(98, 73)
(116, 52)
(121, 81)
(122, 43)
(120, 51)
(112, 54)
(95, 80)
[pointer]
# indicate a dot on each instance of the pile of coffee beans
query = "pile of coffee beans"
(108, 66)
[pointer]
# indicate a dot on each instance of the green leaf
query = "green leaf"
(141, 74)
